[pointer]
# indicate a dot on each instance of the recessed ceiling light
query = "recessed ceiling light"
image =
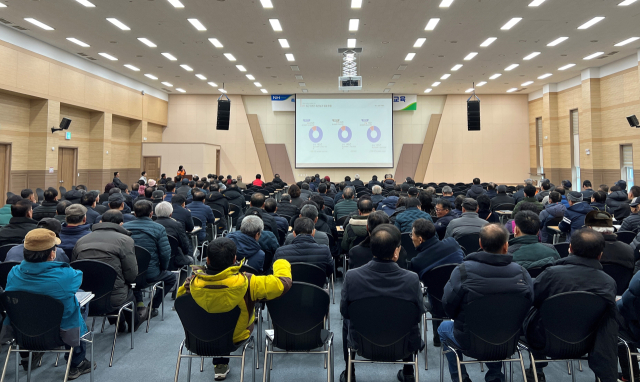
(222, 90)
(305, 90)
(229, 56)
(118, 23)
(213, 84)
(435, 84)
(557, 41)
(481, 83)
(76, 41)
(283, 42)
(627, 41)
(470, 56)
(266, 4)
(428, 90)
(355, 4)
(147, 42)
(567, 67)
(186, 67)
(167, 84)
(456, 67)
(511, 67)
(511, 23)
(530, 56)
(181, 90)
(38, 23)
(495, 76)
(391, 84)
(591, 56)
(241, 68)
(299, 78)
(108, 56)
(197, 24)
(488, 42)
(258, 84)
(526, 83)
(3, 5)
(469, 90)
(419, 42)
(302, 84)
(249, 76)
(275, 24)
(410, 57)
(176, 3)
(446, 3)
(351, 43)
(591, 22)
(627, 2)
(215, 42)
(264, 90)
(353, 25)
(512, 90)
(431, 25)
(536, 3)
(135, 69)
(86, 3)
(200, 76)
(445, 76)
(542, 77)
(169, 56)
(151, 76)
(290, 57)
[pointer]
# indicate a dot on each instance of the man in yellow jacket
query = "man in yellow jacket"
(219, 287)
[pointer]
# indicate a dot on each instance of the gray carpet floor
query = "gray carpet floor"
(155, 354)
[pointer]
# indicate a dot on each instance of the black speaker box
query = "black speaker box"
(224, 110)
(473, 115)
(64, 124)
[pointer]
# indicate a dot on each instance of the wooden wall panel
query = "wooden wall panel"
(15, 114)
(119, 143)
(154, 132)
(80, 129)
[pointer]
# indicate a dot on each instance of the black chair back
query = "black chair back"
(4, 249)
(35, 319)
(5, 268)
(550, 233)
(206, 334)
(40, 193)
(176, 251)
(571, 321)
(495, 323)
(143, 257)
(197, 222)
(434, 280)
(288, 218)
(626, 236)
(309, 273)
(535, 271)
(503, 207)
(407, 244)
(98, 278)
(237, 212)
(282, 236)
(470, 242)
(392, 343)
(249, 269)
(619, 273)
(340, 222)
(298, 317)
(62, 190)
(563, 249)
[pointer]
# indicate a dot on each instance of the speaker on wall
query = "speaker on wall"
(224, 110)
(473, 115)
(64, 124)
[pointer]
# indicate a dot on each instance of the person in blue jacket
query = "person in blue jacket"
(247, 241)
(202, 212)
(39, 273)
(573, 219)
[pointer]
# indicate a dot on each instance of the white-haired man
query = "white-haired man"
(175, 228)
(247, 241)
(377, 196)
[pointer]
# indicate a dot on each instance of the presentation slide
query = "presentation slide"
(336, 131)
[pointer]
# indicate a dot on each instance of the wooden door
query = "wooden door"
(152, 166)
(5, 158)
(217, 162)
(67, 167)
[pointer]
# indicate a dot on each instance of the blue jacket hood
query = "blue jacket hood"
(582, 207)
(248, 248)
(388, 205)
(555, 210)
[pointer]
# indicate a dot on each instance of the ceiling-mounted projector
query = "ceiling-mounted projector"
(350, 83)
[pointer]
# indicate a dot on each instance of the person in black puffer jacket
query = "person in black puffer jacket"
(234, 196)
(176, 229)
(285, 208)
(632, 222)
(476, 189)
(217, 201)
(304, 248)
(618, 203)
(48, 207)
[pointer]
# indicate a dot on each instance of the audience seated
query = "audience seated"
(553, 210)
(501, 197)
(347, 206)
(445, 215)
(271, 208)
(412, 212)
(60, 211)
(529, 197)
(258, 181)
(491, 190)
(246, 240)
(28, 194)
(17, 252)
(338, 196)
(574, 215)
(632, 222)
(580, 271)
(488, 272)
(544, 191)
(519, 195)
(170, 188)
(305, 192)
(153, 237)
(525, 248)
(373, 182)
(389, 183)
(311, 212)
(356, 226)
(5, 211)
(617, 202)
(615, 252)
(484, 210)
(39, 273)
(598, 201)
(116, 179)
(20, 223)
(89, 202)
(48, 207)
(241, 185)
(116, 202)
(587, 189)
(304, 249)
(176, 229)
(180, 213)
(257, 204)
(376, 194)
(388, 204)
(476, 189)
(216, 200)
(215, 288)
(400, 208)
(468, 222)
(234, 195)
(76, 226)
(295, 193)
(382, 277)
(286, 208)
(328, 201)
(111, 244)
(203, 212)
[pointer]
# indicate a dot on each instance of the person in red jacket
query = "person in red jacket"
(258, 182)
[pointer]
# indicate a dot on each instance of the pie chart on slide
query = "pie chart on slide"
(370, 133)
(341, 132)
(313, 130)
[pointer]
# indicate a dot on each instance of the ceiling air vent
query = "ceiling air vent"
(91, 58)
(18, 27)
(166, 90)
(82, 54)
(5, 21)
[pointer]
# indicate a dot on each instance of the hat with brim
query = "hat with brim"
(40, 239)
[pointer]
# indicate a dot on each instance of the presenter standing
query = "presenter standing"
(181, 171)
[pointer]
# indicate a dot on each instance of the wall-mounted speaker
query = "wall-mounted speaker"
(64, 124)
(224, 110)
(473, 115)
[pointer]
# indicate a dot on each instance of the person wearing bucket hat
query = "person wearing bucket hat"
(615, 252)
(17, 253)
(574, 215)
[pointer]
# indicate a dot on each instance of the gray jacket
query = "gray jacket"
(320, 237)
(467, 223)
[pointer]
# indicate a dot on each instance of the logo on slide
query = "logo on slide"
(312, 130)
(378, 134)
(348, 137)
